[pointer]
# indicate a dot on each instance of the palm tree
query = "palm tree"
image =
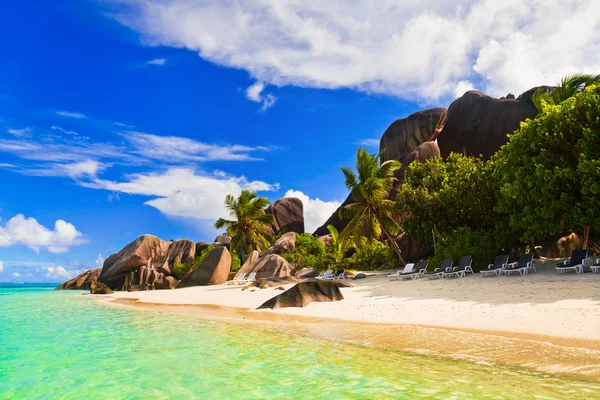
(568, 87)
(372, 212)
(251, 229)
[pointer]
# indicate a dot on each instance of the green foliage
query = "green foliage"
(568, 87)
(372, 213)
(548, 173)
(465, 242)
(236, 262)
(251, 228)
(370, 256)
(309, 253)
(180, 269)
(444, 194)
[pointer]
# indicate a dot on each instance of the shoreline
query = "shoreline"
(399, 321)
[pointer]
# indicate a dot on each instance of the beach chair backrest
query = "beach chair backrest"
(242, 275)
(465, 261)
(327, 273)
(339, 272)
(422, 265)
(252, 275)
(446, 263)
(578, 256)
(500, 260)
(408, 268)
(524, 259)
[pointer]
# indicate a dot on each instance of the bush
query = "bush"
(371, 257)
(465, 242)
(309, 253)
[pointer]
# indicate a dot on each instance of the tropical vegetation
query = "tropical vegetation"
(372, 214)
(251, 227)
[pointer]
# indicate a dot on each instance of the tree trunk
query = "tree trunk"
(396, 247)
(586, 236)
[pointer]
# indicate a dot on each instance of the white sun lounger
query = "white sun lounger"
(522, 266)
(325, 275)
(239, 279)
(408, 268)
(500, 262)
(576, 263)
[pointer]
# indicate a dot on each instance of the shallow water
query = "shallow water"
(63, 345)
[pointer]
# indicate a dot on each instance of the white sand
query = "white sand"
(541, 303)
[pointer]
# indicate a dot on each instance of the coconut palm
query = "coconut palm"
(251, 228)
(568, 87)
(372, 213)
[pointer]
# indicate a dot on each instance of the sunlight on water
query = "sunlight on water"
(62, 345)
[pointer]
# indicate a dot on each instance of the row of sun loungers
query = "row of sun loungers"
(579, 260)
(330, 276)
(242, 279)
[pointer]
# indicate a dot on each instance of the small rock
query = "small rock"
(359, 276)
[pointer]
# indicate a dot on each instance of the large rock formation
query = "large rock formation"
(288, 215)
(99, 288)
(180, 251)
(82, 281)
(478, 124)
(147, 260)
(305, 293)
(213, 270)
(286, 244)
(272, 265)
(141, 252)
(142, 277)
(405, 134)
(421, 153)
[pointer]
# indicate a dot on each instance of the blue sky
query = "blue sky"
(119, 118)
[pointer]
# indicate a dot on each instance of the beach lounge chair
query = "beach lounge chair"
(576, 263)
(250, 278)
(464, 266)
(418, 271)
(445, 266)
(408, 269)
(236, 281)
(496, 268)
(596, 266)
(522, 266)
(325, 275)
(339, 274)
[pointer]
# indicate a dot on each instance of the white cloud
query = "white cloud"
(183, 192)
(176, 149)
(59, 129)
(157, 61)
(254, 93)
(413, 48)
(369, 142)
(59, 273)
(16, 275)
(462, 87)
(1, 266)
(21, 133)
(316, 211)
(100, 259)
(71, 114)
(27, 231)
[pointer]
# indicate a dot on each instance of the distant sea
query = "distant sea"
(62, 345)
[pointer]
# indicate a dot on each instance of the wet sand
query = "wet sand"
(543, 321)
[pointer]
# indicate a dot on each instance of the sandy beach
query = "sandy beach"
(545, 321)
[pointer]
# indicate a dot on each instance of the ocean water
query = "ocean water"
(62, 345)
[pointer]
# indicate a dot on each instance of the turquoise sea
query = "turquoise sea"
(62, 345)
